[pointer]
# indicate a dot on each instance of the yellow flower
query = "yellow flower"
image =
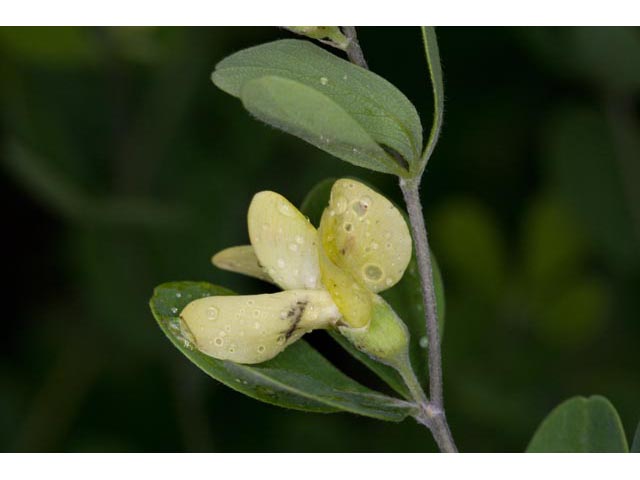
(330, 276)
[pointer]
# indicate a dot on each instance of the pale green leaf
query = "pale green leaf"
(315, 82)
(298, 378)
(580, 425)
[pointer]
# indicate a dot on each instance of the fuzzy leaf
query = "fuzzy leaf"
(298, 378)
(319, 97)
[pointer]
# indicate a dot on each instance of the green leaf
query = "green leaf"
(299, 378)
(635, 446)
(308, 89)
(405, 298)
(580, 425)
(432, 53)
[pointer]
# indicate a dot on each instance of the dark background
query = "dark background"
(123, 167)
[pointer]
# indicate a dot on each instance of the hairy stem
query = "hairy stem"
(431, 411)
(434, 417)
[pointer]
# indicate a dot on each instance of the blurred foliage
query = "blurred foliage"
(124, 167)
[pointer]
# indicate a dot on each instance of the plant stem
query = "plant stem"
(434, 416)
(432, 413)
(354, 52)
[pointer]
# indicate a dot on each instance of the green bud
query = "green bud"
(385, 338)
(329, 35)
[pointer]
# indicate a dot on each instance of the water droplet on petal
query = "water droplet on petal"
(212, 313)
(174, 310)
(281, 263)
(285, 209)
(389, 282)
(299, 240)
(256, 313)
(218, 341)
(293, 247)
(361, 207)
(261, 348)
(373, 272)
(424, 342)
(178, 295)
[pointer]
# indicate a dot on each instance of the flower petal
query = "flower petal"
(285, 243)
(240, 259)
(255, 328)
(352, 298)
(365, 234)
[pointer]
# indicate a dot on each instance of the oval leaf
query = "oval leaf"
(298, 378)
(580, 425)
(341, 89)
(312, 116)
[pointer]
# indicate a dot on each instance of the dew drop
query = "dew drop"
(178, 295)
(299, 239)
(285, 209)
(374, 246)
(218, 341)
(341, 205)
(281, 263)
(261, 348)
(344, 77)
(388, 246)
(347, 227)
(324, 80)
(212, 313)
(174, 310)
(256, 313)
(373, 272)
(281, 339)
(361, 207)
(294, 247)
(424, 342)
(389, 282)
(250, 302)
(232, 348)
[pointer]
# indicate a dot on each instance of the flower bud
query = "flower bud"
(385, 338)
